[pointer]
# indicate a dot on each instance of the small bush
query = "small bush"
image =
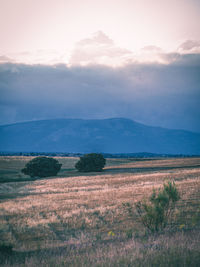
(6, 248)
(42, 167)
(155, 213)
(91, 162)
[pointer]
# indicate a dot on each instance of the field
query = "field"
(79, 219)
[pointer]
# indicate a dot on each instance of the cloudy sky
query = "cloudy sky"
(137, 59)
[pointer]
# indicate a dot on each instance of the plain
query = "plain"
(79, 219)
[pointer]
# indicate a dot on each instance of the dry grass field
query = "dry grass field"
(79, 219)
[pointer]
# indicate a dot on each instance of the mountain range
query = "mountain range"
(116, 135)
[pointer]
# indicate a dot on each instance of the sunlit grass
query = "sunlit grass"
(69, 221)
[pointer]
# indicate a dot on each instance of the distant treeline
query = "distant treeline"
(106, 155)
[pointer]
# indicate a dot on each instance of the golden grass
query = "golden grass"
(78, 210)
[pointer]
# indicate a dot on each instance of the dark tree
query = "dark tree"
(42, 167)
(92, 162)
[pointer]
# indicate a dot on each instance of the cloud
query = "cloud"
(98, 38)
(154, 94)
(41, 56)
(151, 54)
(5, 59)
(152, 49)
(151, 86)
(189, 46)
(99, 49)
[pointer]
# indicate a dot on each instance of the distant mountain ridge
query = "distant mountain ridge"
(116, 135)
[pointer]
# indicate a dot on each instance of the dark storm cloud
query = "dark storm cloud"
(155, 94)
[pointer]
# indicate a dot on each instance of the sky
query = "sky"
(137, 59)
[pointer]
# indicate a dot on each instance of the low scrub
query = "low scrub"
(156, 213)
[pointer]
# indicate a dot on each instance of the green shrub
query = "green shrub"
(6, 248)
(42, 167)
(156, 213)
(91, 162)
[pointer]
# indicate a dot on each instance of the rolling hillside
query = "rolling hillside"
(117, 135)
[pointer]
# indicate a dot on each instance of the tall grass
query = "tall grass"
(82, 221)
